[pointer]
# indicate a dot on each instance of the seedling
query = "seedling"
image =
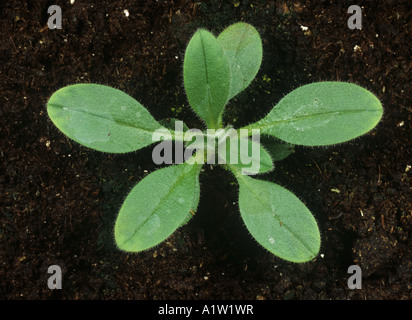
(215, 70)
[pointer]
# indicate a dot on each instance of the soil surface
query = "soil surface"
(59, 200)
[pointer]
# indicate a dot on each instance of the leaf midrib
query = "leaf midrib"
(208, 98)
(121, 123)
(261, 124)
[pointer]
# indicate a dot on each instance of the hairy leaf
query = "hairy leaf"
(278, 220)
(156, 207)
(102, 118)
(322, 113)
(248, 156)
(243, 48)
(195, 203)
(206, 77)
(173, 123)
(278, 150)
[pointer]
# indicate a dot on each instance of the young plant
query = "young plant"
(215, 70)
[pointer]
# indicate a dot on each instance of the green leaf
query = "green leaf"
(243, 48)
(206, 77)
(195, 203)
(322, 113)
(278, 220)
(102, 118)
(253, 160)
(156, 207)
(170, 123)
(278, 150)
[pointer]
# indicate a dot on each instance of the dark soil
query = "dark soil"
(59, 200)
